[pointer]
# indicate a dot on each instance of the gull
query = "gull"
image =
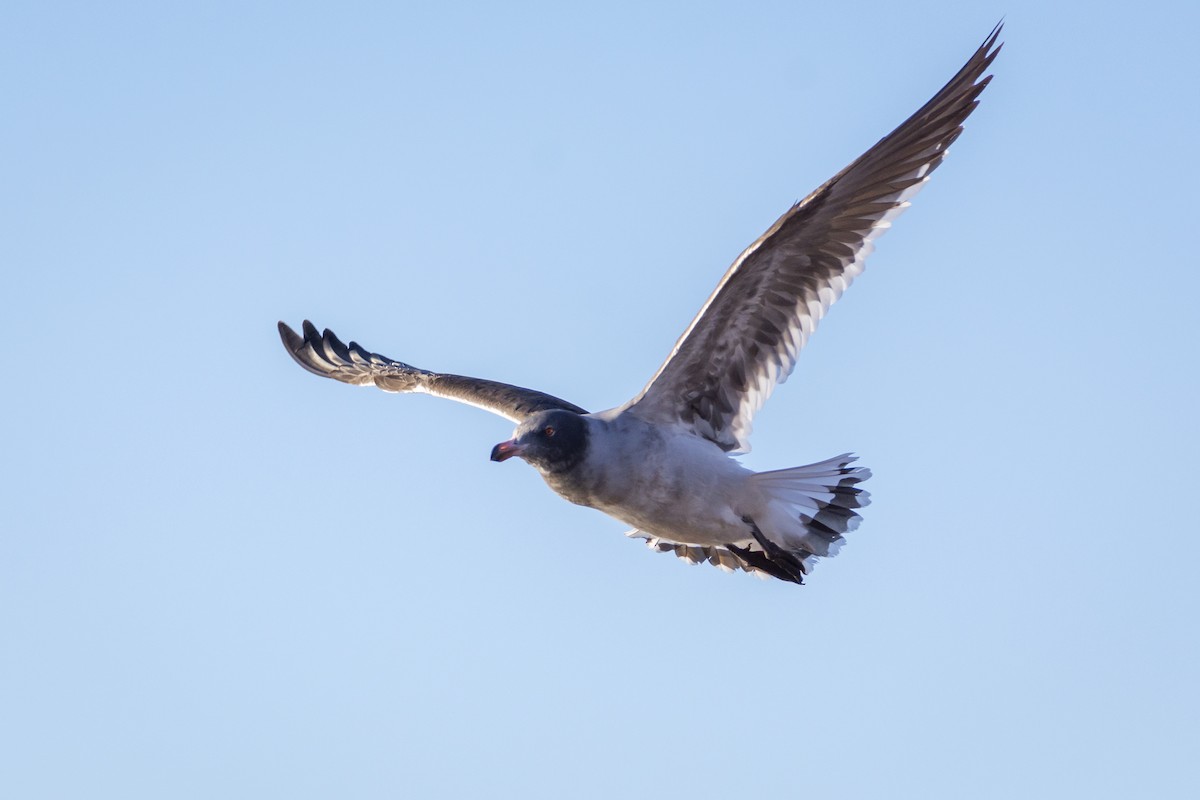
(663, 462)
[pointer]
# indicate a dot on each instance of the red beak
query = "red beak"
(506, 450)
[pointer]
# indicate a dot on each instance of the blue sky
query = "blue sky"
(223, 577)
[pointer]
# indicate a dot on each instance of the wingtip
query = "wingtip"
(991, 45)
(301, 348)
(291, 340)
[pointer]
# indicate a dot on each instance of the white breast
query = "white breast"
(662, 480)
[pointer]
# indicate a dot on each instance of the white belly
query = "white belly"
(665, 483)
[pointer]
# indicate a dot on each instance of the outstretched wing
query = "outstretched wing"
(326, 355)
(750, 332)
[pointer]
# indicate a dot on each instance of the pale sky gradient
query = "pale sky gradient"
(221, 577)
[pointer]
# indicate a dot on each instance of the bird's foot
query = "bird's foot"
(773, 560)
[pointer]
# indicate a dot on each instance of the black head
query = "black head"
(552, 441)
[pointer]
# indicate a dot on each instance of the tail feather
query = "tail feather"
(809, 508)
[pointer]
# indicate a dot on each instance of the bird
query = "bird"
(665, 462)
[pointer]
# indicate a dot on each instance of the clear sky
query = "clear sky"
(223, 577)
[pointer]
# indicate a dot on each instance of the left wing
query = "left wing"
(326, 355)
(750, 332)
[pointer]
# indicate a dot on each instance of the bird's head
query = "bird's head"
(552, 441)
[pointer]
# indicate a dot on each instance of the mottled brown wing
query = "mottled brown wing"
(748, 335)
(326, 355)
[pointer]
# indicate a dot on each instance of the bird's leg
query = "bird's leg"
(787, 562)
(756, 559)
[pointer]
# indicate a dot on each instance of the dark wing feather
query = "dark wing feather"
(327, 356)
(750, 332)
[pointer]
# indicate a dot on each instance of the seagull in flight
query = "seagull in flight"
(662, 462)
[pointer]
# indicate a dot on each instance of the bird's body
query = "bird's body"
(662, 462)
(663, 481)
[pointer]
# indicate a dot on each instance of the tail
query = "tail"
(808, 509)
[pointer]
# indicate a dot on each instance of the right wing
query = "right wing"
(326, 355)
(747, 337)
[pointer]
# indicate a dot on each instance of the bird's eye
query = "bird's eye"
(548, 431)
